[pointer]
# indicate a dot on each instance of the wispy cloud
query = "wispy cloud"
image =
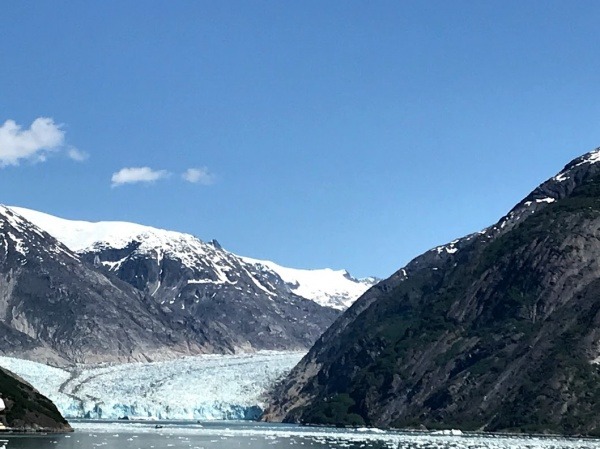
(77, 155)
(35, 143)
(199, 175)
(132, 175)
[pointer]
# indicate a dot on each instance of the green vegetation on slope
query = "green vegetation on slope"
(486, 341)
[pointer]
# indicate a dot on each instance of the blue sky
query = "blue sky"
(347, 134)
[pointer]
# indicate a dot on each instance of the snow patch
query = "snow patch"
(562, 176)
(449, 248)
(20, 245)
(327, 287)
(545, 200)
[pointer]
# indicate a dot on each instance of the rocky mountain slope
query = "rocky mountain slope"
(26, 408)
(135, 293)
(56, 308)
(499, 330)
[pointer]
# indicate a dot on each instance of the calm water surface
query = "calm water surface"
(229, 435)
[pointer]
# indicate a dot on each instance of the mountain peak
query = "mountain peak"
(81, 235)
(590, 157)
(24, 236)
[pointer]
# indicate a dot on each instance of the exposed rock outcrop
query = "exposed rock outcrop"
(26, 409)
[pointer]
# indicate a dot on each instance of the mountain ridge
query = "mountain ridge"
(493, 331)
(327, 287)
(55, 308)
(158, 296)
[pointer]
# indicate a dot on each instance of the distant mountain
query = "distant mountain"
(132, 292)
(171, 265)
(330, 288)
(499, 330)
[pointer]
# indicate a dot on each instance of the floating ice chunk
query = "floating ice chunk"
(453, 432)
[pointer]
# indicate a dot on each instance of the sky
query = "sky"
(343, 134)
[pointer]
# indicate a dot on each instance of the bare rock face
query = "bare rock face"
(499, 330)
(26, 409)
(223, 299)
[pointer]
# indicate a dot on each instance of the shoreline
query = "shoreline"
(26, 431)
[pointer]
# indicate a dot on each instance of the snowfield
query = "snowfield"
(207, 387)
(330, 288)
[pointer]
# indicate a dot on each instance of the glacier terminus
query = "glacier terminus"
(205, 387)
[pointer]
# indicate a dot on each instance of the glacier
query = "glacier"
(205, 387)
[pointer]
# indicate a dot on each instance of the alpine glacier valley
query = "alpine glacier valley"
(117, 319)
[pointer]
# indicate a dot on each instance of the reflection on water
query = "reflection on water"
(229, 435)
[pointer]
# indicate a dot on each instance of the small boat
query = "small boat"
(158, 426)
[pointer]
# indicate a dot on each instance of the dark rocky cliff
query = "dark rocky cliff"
(26, 408)
(229, 303)
(499, 330)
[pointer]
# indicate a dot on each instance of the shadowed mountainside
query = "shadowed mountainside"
(497, 331)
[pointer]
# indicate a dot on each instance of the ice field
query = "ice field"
(208, 387)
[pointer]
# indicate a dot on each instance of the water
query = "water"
(230, 435)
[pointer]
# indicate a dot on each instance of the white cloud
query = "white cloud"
(132, 175)
(199, 176)
(77, 155)
(36, 143)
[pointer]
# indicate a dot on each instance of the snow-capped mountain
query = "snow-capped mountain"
(170, 265)
(89, 292)
(330, 288)
(54, 307)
